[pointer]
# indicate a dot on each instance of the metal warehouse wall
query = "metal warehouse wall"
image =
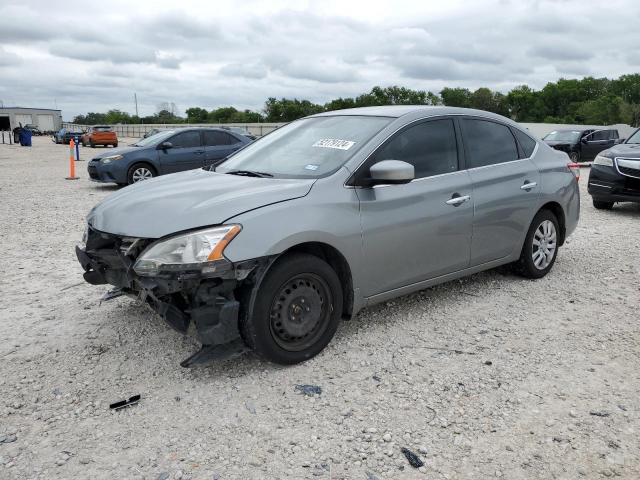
(46, 119)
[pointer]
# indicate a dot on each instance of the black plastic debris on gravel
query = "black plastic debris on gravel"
(413, 459)
(308, 390)
(125, 403)
(599, 413)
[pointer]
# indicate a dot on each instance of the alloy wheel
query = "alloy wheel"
(544, 245)
(140, 174)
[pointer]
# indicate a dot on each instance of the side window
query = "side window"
(527, 144)
(488, 143)
(614, 135)
(430, 147)
(188, 139)
(213, 138)
(599, 135)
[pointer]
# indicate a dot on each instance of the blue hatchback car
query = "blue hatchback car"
(165, 152)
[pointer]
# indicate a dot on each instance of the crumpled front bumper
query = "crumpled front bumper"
(207, 300)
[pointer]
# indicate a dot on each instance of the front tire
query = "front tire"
(295, 312)
(601, 205)
(540, 247)
(140, 172)
(574, 157)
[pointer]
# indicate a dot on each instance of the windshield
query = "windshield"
(564, 136)
(154, 139)
(307, 148)
(635, 138)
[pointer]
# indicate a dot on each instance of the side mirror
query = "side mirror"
(584, 140)
(166, 145)
(392, 172)
(621, 140)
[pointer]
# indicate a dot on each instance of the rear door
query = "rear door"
(186, 153)
(218, 145)
(596, 142)
(506, 185)
(421, 229)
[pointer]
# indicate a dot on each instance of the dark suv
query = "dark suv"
(582, 145)
(615, 174)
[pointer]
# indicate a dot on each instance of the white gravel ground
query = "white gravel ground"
(491, 376)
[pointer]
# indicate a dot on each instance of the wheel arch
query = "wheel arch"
(558, 211)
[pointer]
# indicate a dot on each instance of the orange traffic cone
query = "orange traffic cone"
(72, 164)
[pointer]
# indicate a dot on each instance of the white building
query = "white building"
(45, 119)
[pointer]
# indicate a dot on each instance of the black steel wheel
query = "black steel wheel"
(294, 311)
(299, 312)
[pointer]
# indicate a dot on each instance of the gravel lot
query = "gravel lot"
(491, 376)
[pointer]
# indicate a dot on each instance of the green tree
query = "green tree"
(197, 115)
(456, 97)
(286, 110)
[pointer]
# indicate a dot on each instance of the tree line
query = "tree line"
(589, 100)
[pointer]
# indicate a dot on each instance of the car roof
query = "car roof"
(417, 111)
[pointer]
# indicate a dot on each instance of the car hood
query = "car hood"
(187, 200)
(631, 150)
(117, 151)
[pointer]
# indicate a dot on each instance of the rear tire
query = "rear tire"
(540, 247)
(601, 205)
(91, 144)
(295, 312)
(115, 145)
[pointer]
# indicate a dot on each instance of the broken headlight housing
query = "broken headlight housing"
(198, 250)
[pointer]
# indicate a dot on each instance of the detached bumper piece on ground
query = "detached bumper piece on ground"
(179, 298)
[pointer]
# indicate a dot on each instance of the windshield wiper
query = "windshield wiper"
(249, 173)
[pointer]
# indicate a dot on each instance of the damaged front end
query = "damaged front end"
(205, 296)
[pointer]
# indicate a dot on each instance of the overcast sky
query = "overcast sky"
(93, 55)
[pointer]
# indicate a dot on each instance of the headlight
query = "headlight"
(111, 158)
(195, 250)
(602, 160)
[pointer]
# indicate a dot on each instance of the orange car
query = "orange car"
(99, 135)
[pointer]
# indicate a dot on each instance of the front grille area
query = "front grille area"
(628, 167)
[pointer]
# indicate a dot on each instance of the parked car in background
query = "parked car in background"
(327, 215)
(64, 136)
(582, 145)
(241, 131)
(615, 174)
(153, 131)
(168, 151)
(34, 129)
(100, 135)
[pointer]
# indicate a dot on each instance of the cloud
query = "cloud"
(211, 54)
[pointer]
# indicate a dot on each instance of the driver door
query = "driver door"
(186, 152)
(596, 142)
(417, 231)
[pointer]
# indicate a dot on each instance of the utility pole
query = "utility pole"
(135, 99)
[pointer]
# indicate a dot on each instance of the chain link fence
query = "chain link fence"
(139, 130)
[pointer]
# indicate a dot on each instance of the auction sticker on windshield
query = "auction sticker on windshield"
(334, 143)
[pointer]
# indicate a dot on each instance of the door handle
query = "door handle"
(457, 200)
(199, 152)
(528, 186)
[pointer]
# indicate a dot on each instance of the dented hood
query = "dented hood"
(187, 200)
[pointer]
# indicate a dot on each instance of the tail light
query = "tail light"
(575, 169)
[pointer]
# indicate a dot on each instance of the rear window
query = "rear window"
(102, 129)
(488, 143)
(527, 144)
(213, 138)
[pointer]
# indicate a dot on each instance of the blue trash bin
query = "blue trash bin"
(25, 137)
